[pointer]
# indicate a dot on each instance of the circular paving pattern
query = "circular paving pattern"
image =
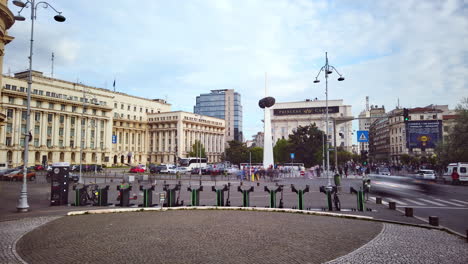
(191, 236)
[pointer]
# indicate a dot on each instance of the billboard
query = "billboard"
(423, 134)
(305, 111)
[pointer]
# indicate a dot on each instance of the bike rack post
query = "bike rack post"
(220, 195)
(360, 198)
(245, 195)
(300, 196)
(195, 195)
(327, 191)
(171, 198)
(103, 196)
(273, 196)
(124, 190)
(80, 196)
(147, 196)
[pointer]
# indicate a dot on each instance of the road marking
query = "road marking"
(452, 203)
(458, 201)
(431, 202)
(397, 201)
(413, 201)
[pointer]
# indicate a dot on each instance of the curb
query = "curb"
(258, 209)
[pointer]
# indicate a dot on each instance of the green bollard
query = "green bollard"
(360, 199)
(273, 195)
(220, 195)
(300, 196)
(195, 195)
(245, 196)
(337, 179)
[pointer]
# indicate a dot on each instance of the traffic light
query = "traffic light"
(364, 157)
(405, 114)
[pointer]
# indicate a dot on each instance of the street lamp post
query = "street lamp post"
(328, 69)
(23, 205)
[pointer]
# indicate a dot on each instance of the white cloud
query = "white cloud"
(413, 50)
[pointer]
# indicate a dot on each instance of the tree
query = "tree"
(306, 144)
(405, 159)
(455, 149)
(257, 154)
(196, 150)
(237, 152)
(281, 151)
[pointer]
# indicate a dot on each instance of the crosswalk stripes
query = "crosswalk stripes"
(458, 201)
(413, 201)
(449, 202)
(423, 202)
(398, 202)
(431, 202)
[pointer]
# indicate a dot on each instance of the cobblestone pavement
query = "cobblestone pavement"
(189, 236)
(11, 231)
(405, 244)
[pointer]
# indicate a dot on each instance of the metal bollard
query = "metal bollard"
(220, 195)
(378, 200)
(392, 205)
(300, 196)
(245, 195)
(273, 196)
(434, 220)
(408, 211)
(195, 195)
(147, 196)
(360, 199)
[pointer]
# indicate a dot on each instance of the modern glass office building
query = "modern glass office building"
(224, 104)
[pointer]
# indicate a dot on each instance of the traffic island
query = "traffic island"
(195, 236)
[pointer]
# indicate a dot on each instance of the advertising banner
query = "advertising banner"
(423, 134)
(305, 111)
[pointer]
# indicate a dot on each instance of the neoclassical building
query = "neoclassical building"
(72, 120)
(287, 116)
(173, 134)
(6, 21)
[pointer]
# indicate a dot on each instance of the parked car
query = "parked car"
(143, 166)
(38, 167)
(164, 168)
(157, 168)
(426, 174)
(18, 175)
(196, 171)
(136, 170)
(172, 170)
(182, 170)
(4, 172)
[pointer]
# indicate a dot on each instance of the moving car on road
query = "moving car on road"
(426, 174)
(136, 170)
(18, 175)
(384, 171)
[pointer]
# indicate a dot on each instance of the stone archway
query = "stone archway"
(122, 159)
(62, 157)
(73, 157)
(37, 157)
(115, 159)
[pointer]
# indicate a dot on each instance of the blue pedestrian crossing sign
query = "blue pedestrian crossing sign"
(114, 139)
(363, 136)
(292, 155)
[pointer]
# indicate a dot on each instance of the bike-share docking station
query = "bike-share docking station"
(195, 195)
(329, 191)
(147, 196)
(171, 199)
(59, 175)
(361, 205)
(273, 196)
(245, 195)
(124, 195)
(220, 195)
(300, 196)
(91, 195)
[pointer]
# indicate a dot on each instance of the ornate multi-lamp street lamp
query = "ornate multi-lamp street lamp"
(23, 200)
(328, 69)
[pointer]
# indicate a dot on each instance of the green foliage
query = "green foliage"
(455, 148)
(405, 159)
(281, 151)
(195, 150)
(305, 142)
(257, 154)
(237, 152)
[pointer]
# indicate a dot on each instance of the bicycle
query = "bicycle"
(336, 198)
(90, 193)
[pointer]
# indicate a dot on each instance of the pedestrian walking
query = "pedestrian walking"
(455, 177)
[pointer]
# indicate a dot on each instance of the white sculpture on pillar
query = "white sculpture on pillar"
(265, 104)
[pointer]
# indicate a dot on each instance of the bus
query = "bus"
(193, 162)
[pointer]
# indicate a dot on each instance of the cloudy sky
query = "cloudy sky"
(412, 50)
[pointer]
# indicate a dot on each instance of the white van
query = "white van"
(460, 167)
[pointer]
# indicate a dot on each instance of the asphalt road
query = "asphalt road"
(427, 198)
